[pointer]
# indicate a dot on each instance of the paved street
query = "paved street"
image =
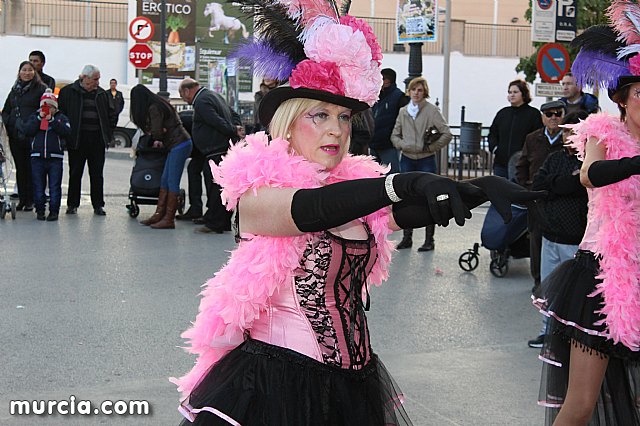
(94, 306)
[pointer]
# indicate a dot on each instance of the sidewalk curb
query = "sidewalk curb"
(119, 153)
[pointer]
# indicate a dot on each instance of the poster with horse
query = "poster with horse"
(221, 27)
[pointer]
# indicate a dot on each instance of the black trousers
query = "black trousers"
(91, 151)
(21, 153)
(535, 247)
(217, 217)
(194, 174)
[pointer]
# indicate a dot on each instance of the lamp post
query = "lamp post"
(162, 70)
(415, 62)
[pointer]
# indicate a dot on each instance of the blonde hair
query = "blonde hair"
(419, 81)
(287, 113)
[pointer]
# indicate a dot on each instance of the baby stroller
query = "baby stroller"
(502, 240)
(145, 177)
(7, 203)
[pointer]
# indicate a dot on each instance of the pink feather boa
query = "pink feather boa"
(616, 208)
(238, 292)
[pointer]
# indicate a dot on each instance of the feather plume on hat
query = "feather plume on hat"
(608, 54)
(317, 48)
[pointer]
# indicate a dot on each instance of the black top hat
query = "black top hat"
(277, 96)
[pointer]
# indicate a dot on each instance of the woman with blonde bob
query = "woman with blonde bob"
(420, 132)
(282, 335)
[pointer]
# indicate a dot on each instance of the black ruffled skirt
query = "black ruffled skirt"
(261, 384)
(572, 314)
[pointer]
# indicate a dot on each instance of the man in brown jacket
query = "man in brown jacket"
(537, 147)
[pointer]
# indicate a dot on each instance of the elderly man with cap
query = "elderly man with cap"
(537, 147)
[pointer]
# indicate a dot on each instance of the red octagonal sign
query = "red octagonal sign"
(141, 56)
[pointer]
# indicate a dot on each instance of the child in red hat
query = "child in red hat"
(46, 130)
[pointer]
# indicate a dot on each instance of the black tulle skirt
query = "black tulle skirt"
(572, 314)
(261, 384)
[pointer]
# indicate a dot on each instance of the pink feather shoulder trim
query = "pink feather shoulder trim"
(616, 208)
(600, 126)
(237, 294)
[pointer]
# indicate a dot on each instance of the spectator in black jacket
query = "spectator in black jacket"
(511, 125)
(37, 59)
(538, 145)
(47, 128)
(116, 96)
(22, 101)
(562, 216)
(385, 113)
(362, 126)
(92, 117)
(214, 126)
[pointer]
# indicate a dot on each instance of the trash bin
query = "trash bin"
(470, 137)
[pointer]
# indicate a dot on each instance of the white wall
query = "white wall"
(478, 83)
(65, 58)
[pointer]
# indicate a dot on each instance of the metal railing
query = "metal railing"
(65, 18)
(467, 38)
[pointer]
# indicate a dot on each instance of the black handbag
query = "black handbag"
(431, 135)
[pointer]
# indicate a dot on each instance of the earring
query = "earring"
(288, 136)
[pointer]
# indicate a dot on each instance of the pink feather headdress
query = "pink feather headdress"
(608, 54)
(321, 51)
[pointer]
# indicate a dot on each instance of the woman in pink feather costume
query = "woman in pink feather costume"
(281, 337)
(591, 352)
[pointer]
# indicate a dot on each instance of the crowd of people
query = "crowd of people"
(304, 194)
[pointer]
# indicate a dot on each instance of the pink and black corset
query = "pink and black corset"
(321, 313)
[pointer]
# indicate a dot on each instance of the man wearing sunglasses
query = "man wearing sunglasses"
(538, 145)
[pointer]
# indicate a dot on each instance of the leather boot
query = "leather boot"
(407, 240)
(160, 209)
(429, 244)
(168, 221)
(192, 213)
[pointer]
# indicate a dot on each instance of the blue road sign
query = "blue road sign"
(553, 62)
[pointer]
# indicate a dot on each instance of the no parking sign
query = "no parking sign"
(553, 62)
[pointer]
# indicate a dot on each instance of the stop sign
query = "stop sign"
(140, 55)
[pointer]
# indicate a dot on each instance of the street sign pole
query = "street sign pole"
(162, 70)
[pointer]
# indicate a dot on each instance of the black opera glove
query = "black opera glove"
(606, 172)
(324, 208)
(499, 191)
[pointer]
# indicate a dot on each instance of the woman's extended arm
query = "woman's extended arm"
(417, 198)
(282, 212)
(597, 172)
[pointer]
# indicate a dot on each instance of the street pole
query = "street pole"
(494, 35)
(163, 50)
(446, 47)
(415, 62)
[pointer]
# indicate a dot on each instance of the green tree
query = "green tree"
(589, 12)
